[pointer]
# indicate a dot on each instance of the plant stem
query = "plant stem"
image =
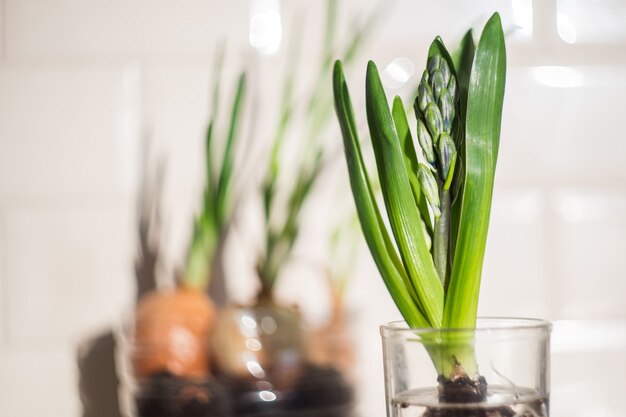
(442, 236)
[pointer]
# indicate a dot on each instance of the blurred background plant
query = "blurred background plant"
(315, 108)
(164, 354)
(302, 368)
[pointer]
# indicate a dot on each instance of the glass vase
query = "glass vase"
(499, 369)
(273, 365)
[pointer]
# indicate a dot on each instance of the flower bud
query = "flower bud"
(445, 70)
(446, 105)
(437, 83)
(424, 96)
(425, 141)
(433, 63)
(447, 159)
(452, 88)
(434, 122)
(428, 183)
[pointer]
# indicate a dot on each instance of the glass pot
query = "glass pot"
(273, 365)
(507, 361)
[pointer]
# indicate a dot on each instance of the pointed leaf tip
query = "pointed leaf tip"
(495, 17)
(372, 70)
(338, 68)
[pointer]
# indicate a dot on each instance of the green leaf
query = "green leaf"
(224, 182)
(211, 185)
(205, 231)
(410, 159)
(482, 137)
(463, 58)
(374, 230)
(215, 101)
(401, 209)
(201, 252)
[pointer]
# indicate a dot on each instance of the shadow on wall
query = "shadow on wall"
(98, 381)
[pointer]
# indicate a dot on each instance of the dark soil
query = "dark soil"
(320, 392)
(464, 390)
(166, 395)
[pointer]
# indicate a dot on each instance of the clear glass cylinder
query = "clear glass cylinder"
(273, 365)
(506, 359)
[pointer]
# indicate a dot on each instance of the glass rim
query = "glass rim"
(489, 324)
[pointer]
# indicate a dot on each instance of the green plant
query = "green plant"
(216, 213)
(444, 196)
(161, 315)
(281, 231)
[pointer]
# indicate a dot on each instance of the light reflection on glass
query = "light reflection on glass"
(248, 321)
(266, 28)
(264, 386)
(255, 369)
(565, 27)
(267, 396)
(269, 325)
(559, 77)
(253, 345)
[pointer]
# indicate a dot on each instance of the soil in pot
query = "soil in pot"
(168, 395)
(319, 391)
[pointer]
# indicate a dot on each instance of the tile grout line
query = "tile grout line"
(552, 269)
(4, 282)
(3, 9)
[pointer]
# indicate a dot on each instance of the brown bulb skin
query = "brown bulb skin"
(171, 333)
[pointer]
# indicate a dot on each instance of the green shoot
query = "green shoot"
(281, 233)
(215, 216)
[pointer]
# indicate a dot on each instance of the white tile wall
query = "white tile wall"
(581, 21)
(551, 144)
(3, 284)
(60, 131)
(591, 230)
(78, 82)
(514, 278)
(177, 109)
(583, 367)
(69, 270)
(589, 147)
(73, 28)
(525, 144)
(434, 18)
(49, 375)
(2, 30)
